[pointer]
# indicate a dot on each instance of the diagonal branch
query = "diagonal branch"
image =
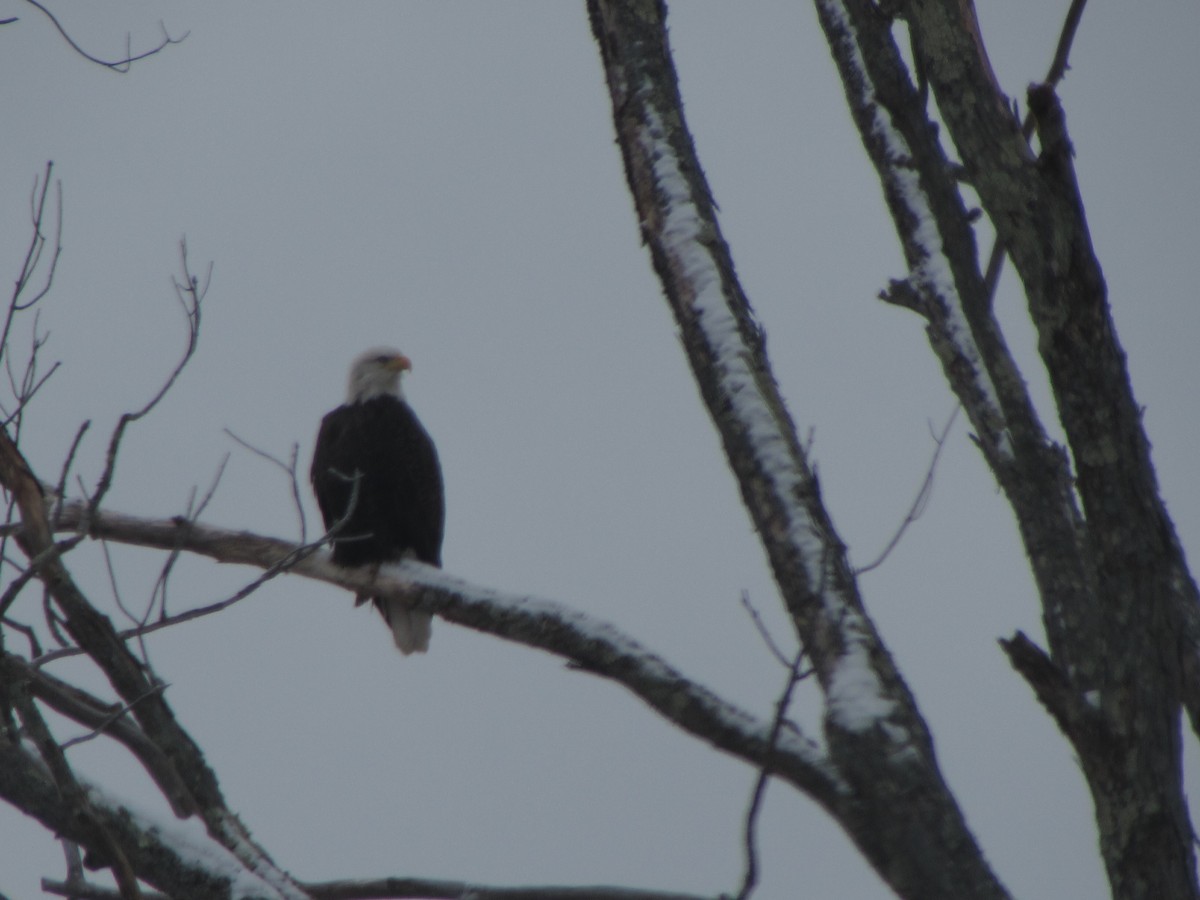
(750, 841)
(1115, 589)
(93, 632)
(920, 501)
(81, 707)
(190, 293)
(876, 736)
(1058, 69)
(178, 858)
(80, 809)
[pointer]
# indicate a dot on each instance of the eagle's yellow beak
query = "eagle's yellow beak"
(400, 363)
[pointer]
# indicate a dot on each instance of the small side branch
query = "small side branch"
(190, 293)
(750, 876)
(73, 793)
(79, 706)
(918, 505)
(1048, 681)
(289, 468)
(31, 264)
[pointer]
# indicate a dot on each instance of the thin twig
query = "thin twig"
(72, 791)
(289, 468)
(750, 841)
(92, 712)
(190, 295)
(919, 502)
(192, 514)
(111, 719)
(53, 621)
(301, 552)
(33, 253)
(60, 487)
(35, 646)
(119, 600)
(120, 65)
(763, 632)
(112, 582)
(35, 565)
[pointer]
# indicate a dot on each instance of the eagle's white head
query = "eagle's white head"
(375, 373)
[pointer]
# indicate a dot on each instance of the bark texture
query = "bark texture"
(1120, 607)
(897, 808)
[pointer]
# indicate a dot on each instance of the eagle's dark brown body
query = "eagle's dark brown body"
(377, 478)
(399, 506)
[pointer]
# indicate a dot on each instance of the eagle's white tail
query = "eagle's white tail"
(410, 627)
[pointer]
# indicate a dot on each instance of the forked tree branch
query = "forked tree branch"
(877, 738)
(81, 707)
(1058, 70)
(121, 65)
(591, 645)
(190, 293)
(93, 631)
(1115, 589)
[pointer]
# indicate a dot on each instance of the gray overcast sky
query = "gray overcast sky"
(443, 177)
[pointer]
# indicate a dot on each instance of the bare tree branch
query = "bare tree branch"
(1115, 588)
(109, 719)
(122, 65)
(596, 647)
(93, 632)
(750, 840)
(72, 793)
(289, 468)
(182, 866)
(192, 512)
(190, 293)
(461, 890)
(918, 505)
(60, 488)
(33, 254)
(761, 627)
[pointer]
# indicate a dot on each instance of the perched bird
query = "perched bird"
(375, 467)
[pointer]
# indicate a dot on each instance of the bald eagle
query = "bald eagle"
(373, 449)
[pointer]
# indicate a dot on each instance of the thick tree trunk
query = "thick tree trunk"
(1116, 592)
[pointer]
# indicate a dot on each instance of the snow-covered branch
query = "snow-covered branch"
(1114, 585)
(943, 284)
(922, 187)
(216, 858)
(136, 685)
(594, 646)
(178, 857)
(876, 736)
